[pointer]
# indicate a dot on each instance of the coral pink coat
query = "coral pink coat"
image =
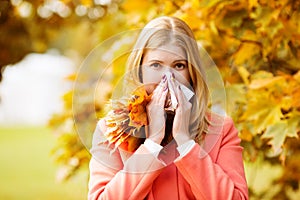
(213, 171)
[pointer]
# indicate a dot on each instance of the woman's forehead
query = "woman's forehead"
(174, 51)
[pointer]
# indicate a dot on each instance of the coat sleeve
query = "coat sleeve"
(221, 178)
(111, 179)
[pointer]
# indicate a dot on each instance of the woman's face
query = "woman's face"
(157, 62)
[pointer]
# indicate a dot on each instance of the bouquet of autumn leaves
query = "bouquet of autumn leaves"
(126, 120)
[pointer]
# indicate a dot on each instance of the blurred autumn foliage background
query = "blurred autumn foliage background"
(254, 43)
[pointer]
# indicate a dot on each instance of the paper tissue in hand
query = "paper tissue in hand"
(171, 100)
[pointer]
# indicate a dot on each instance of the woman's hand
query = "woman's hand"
(156, 112)
(182, 117)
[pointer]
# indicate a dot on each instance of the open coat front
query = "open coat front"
(212, 171)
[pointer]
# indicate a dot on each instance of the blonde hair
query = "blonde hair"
(166, 30)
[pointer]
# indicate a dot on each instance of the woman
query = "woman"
(188, 153)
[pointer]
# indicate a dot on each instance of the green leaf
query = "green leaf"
(293, 127)
(235, 93)
(262, 113)
(234, 19)
(280, 130)
(293, 124)
(277, 132)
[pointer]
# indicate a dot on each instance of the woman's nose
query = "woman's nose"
(168, 70)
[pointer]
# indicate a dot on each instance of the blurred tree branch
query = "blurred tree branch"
(35, 26)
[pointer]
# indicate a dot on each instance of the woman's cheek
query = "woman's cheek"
(151, 75)
(150, 88)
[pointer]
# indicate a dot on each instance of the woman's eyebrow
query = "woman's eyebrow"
(180, 60)
(161, 61)
(155, 60)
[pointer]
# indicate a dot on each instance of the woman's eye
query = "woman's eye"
(180, 66)
(155, 65)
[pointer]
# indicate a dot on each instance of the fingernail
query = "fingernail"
(164, 77)
(165, 88)
(173, 75)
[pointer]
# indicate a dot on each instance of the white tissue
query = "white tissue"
(186, 91)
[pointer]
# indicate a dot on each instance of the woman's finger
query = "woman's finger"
(159, 90)
(180, 96)
(174, 84)
(182, 101)
(158, 87)
(163, 97)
